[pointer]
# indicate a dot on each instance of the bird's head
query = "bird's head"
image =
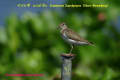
(62, 26)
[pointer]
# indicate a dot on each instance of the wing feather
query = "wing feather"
(73, 35)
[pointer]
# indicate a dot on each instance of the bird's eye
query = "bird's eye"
(63, 24)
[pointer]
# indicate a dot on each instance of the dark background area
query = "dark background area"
(8, 7)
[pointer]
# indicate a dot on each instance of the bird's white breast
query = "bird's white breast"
(71, 41)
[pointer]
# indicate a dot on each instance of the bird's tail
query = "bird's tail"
(92, 44)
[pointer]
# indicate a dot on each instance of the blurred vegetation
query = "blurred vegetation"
(32, 44)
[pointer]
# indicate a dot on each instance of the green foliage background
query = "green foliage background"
(32, 44)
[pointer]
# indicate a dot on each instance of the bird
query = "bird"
(72, 37)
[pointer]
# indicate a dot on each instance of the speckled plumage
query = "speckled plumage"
(72, 37)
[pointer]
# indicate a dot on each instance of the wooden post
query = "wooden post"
(66, 71)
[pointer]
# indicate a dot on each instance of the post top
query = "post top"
(68, 55)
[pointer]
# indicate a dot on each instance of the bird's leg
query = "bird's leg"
(71, 49)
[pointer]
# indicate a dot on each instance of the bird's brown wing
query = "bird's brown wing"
(73, 35)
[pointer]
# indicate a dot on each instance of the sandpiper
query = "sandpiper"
(72, 37)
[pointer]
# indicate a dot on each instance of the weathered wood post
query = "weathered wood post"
(66, 71)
